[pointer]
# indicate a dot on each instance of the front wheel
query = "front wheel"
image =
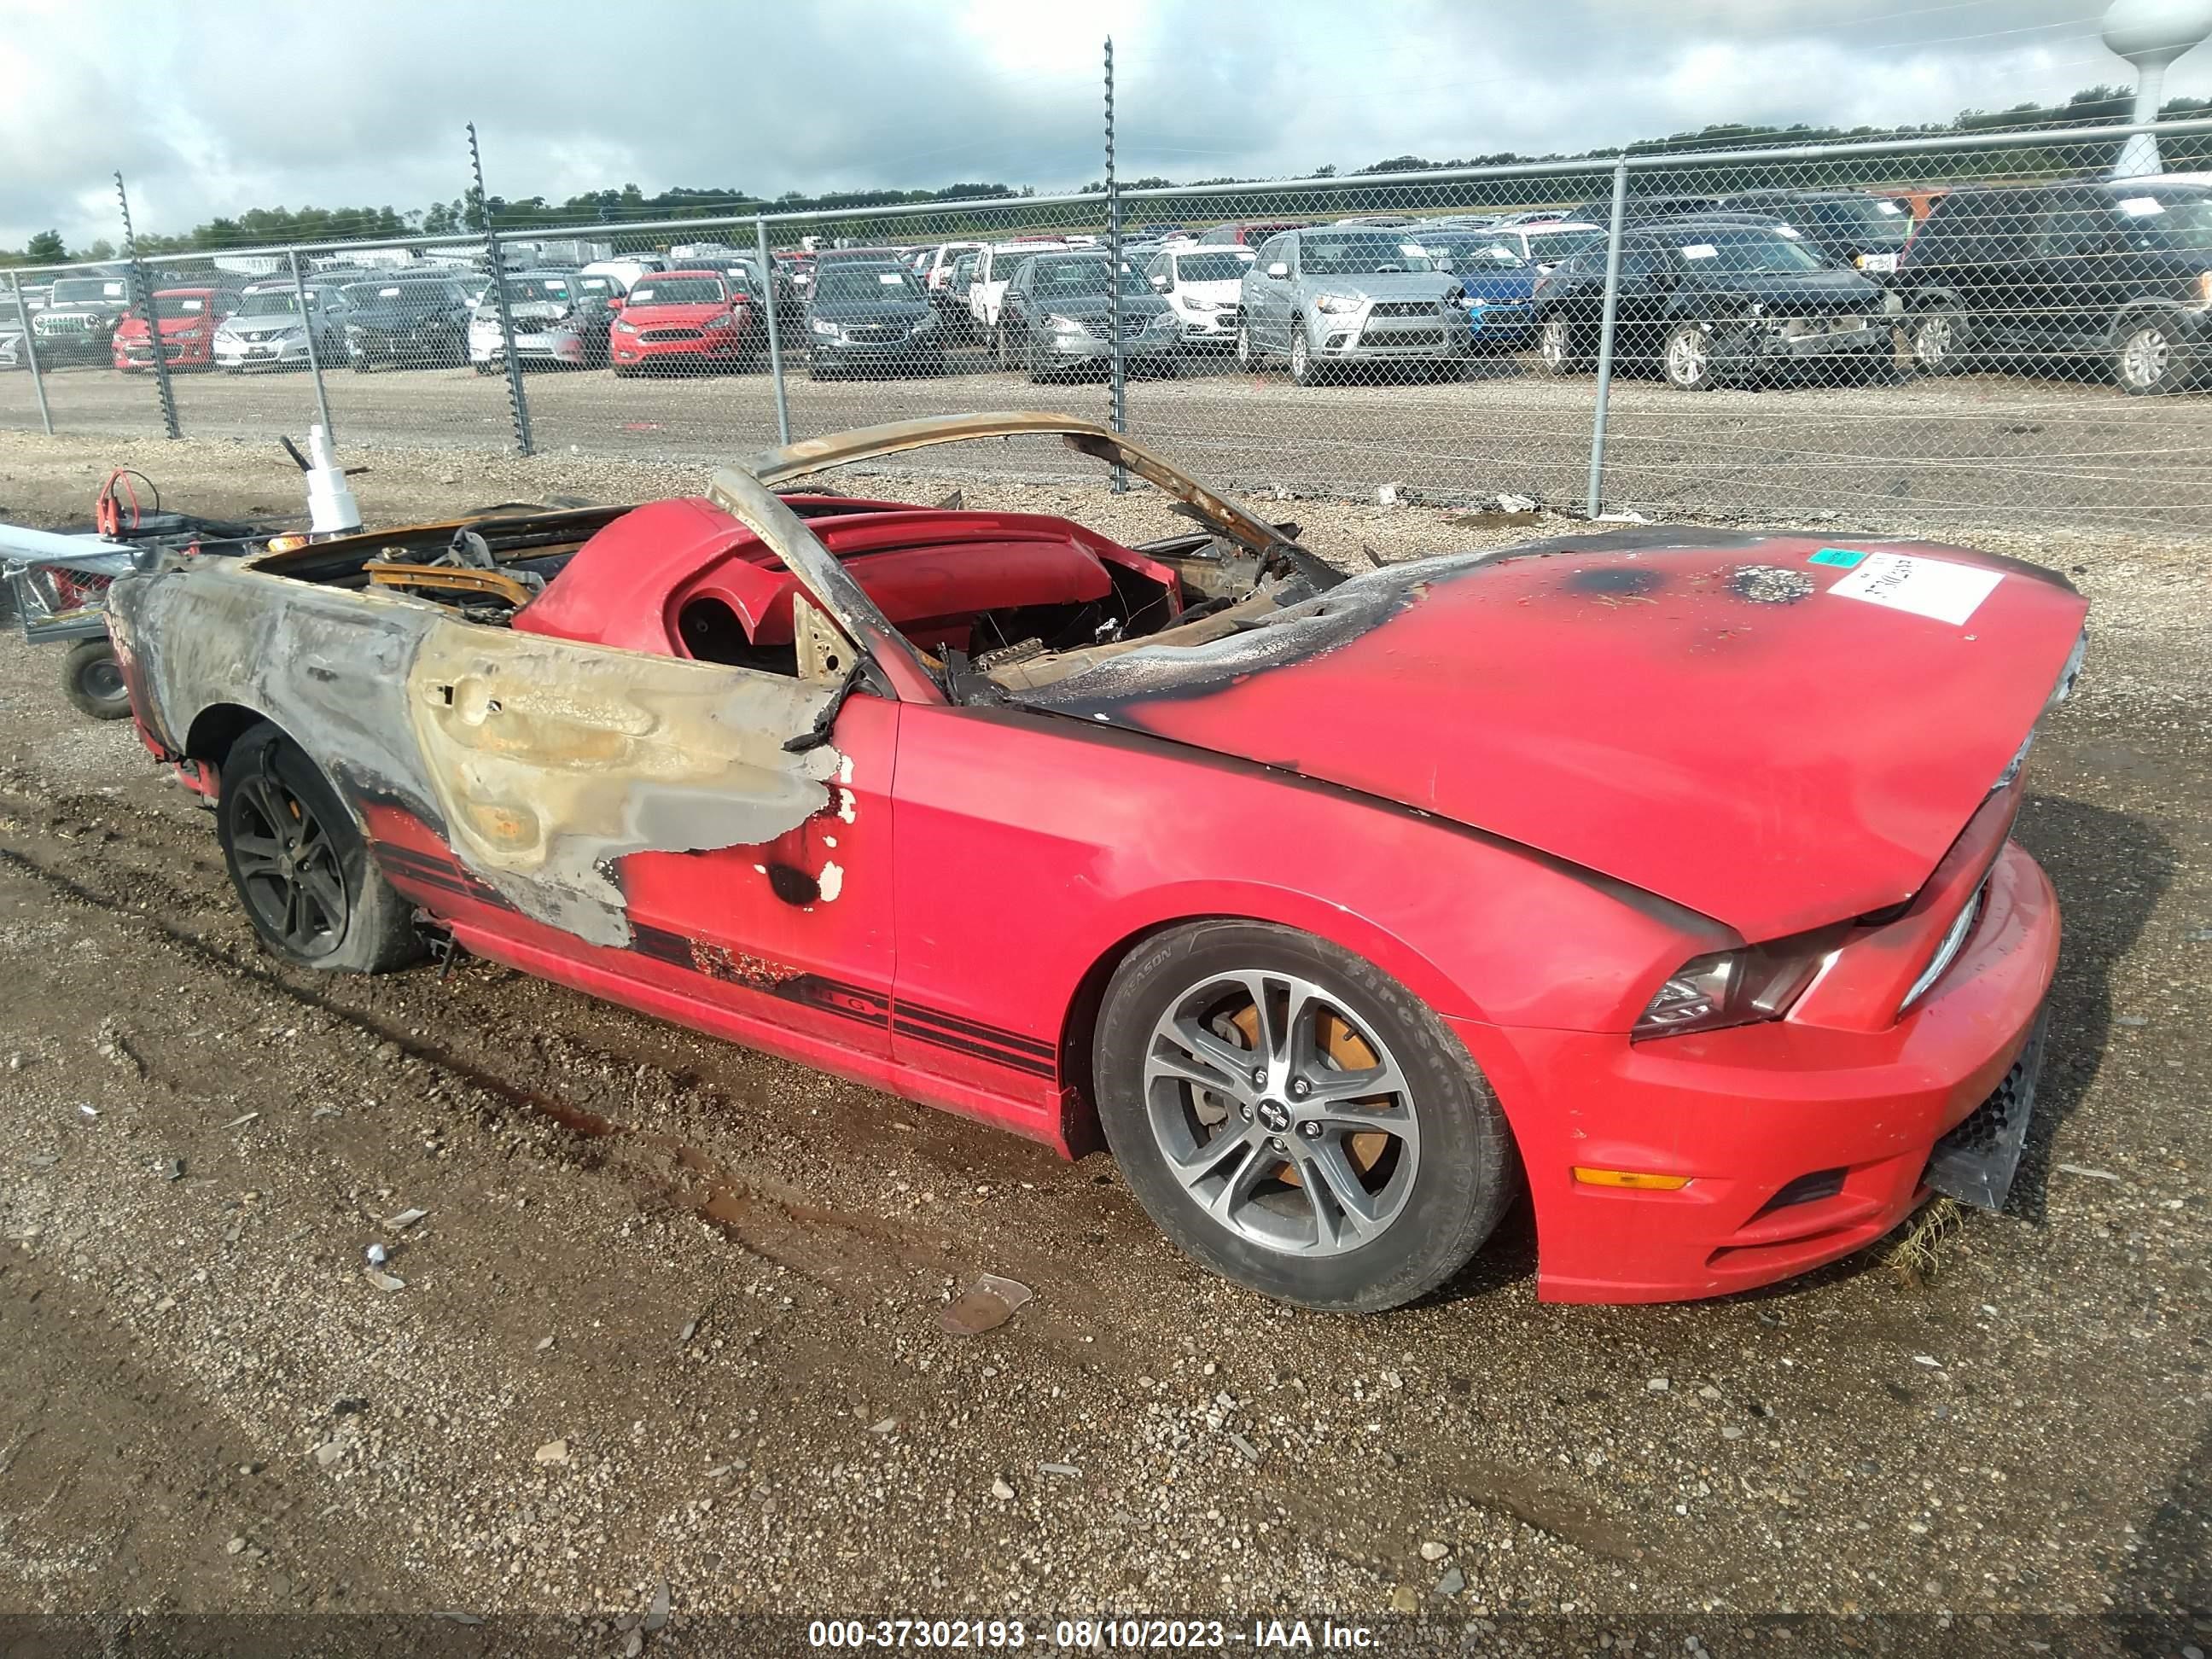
(1296, 1120)
(300, 865)
(1941, 337)
(1560, 346)
(1247, 359)
(1303, 370)
(1686, 359)
(91, 679)
(2147, 360)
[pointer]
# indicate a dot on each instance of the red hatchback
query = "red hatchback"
(1665, 873)
(680, 320)
(189, 317)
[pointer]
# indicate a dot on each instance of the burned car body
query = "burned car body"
(1342, 907)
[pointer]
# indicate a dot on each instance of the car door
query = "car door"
(1267, 305)
(2080, 259)
(1016, 320)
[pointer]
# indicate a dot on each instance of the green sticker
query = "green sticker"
(1837, 556)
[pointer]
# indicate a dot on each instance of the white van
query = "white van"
(994, 268)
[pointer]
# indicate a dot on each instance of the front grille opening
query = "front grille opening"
(1805, 1190)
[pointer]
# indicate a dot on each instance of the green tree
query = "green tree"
(45, 248)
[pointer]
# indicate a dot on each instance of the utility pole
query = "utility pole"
(142, 302)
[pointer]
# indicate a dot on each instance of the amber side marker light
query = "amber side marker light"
(1636, 1178)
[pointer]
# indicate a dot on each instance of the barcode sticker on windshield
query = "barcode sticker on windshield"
(2142, 207)
(1412, 250)
(890, 277)
(1699, 251)
(1926, 587)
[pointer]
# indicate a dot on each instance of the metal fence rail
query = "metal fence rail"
(1704, 332)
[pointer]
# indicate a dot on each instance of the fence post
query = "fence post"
(31, 351)
(144, 298)
(775, 333)
(1117, 401)
(1605, 335)
(516, 402)
(314, 352)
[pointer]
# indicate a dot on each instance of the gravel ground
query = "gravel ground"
(671, 1315)
(1983, 449)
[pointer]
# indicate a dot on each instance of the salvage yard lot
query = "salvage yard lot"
(1970, 449)
(673, 1315)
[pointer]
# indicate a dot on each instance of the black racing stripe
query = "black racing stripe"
(1036, 1067)
(969, 1028)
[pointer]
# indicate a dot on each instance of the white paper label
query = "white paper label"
(2142, 207)
(889, 278)
(1699, 251)
(1926, 587)
(1887, 207)
(1412, 250)
(1790, 231)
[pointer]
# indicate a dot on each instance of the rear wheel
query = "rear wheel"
(91, 679)
(1560, 346)
(1296, 1119)
(300, 865)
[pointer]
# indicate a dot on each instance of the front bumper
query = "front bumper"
(1870, 337)
(1209, 328)
(1360, 337)
(267, 353)
(714, 346)
(1500, 327)
(1067, 350)
(134, 355)
(563, 346)
(1845, 1119)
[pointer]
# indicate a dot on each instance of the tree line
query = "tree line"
(1000, 206)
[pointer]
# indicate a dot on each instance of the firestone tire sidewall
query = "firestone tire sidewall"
(1466, 1175)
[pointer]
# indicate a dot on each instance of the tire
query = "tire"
(91, 679)
(1687, 358)
(2147, 358)
(1002, 349)
(300, 866)
(1034, 363)
(1247, 354)
(1426, 1192)
(1561, 347)
(1303, 370)
(1941, 340)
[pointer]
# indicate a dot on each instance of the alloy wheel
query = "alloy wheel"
(1934, 341)
(1689, 357)
(1552, 345)
(1301, 353)
(2146, 358)
(1281, 1114)
(288, 867)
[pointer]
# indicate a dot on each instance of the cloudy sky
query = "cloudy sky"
(215, 107)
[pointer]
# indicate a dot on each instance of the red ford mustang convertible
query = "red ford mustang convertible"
(1666, 871)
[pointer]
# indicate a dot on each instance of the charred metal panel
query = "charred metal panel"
(552, 760)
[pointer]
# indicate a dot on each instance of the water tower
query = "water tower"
(2150, 34)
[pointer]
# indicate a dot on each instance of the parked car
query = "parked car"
(1249, 233)
(1545, 242)
(409, 322)
(189, 318)
(1500, 284)
(1715, 300)
(771, 765)
(1328, 299)
(994, 268)
(1598, 210)
(78, 322)
(1059, 314)
(13, 327)
(268, 331)
(555, 321)
(872, 319)
(749, 287)
(2100, 277)
(937, 275)
(1205, 289)
(678, 320)
(629, 270)
(1864, 232)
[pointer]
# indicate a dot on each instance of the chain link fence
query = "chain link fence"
(1977, 328)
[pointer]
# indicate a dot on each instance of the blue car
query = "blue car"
(1500, 287)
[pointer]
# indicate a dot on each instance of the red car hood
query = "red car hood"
(1712, 717)
(671, 316)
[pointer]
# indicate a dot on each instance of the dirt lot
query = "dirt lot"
(1983, 449)
(672, 1316)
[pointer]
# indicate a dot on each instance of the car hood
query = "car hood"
(1097, 305)
(1228, 288)
(397, 319)
(1704, 716)
(872, 311)
(1385, 285)
(1501, 285)
(660, 316)
(1799, 294)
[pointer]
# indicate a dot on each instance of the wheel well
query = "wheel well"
(216, 729)
(1080, 1102)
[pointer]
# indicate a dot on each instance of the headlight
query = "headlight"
(928, 322)
(2203, 301)
(1166, 319)
(723, 321)
(1060, 324)
(1337, 303)
(828, 330)
(1734, 987)
(625, 328)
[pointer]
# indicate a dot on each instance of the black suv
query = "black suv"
(1864, 232)
(2096, 276)
(1712, 298)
